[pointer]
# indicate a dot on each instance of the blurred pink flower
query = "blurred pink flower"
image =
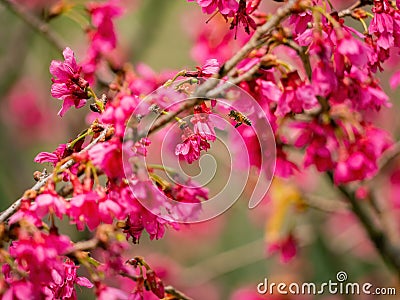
(286, 246)
(103, 37)
(225, 7)
(104, 292)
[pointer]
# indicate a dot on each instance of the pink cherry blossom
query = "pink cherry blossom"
(108, 157)
(284, 167)
(359, 161)
(104, 292)
(68, 85)
(143, 219)
(39, 254)
(49, 203)
(191, 146)
(210, 67)
(141, 146)
(225, 7)
(319, 141)
(53, 157)
(297, 96)
(102, 37)
(20, 290)
(84, 210)
(63, 285)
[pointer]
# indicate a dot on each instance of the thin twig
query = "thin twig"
(35, 23)
(389, 252)
(168, 118)
(325, 205)
(84, 246)
(389, 156)
(349, 11)
(301, 51)
(14, 207)
(177, 294)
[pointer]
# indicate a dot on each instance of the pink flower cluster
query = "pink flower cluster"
(196, 141)
(225, 7)
(68, 85)
(102, 36)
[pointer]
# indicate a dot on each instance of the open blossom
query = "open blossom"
(192, 145)
(361, 91)
(68, 85)
(210, 67)
(286, 246)
(242, 16)
(63, 285)
(318, 142)
(53, 157)
(84, 210)
(21, 289)
(144, 220)
(225, 7)
(49, 203)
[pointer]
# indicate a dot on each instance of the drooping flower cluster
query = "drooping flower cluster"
(68, 85)
(102, 36)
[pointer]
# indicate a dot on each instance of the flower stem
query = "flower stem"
(81, 136)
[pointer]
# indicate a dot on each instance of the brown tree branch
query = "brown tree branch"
(34, 22)
(177, 294)
(14, 207)
(349, 11)
(390, 253)
(389, 156)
